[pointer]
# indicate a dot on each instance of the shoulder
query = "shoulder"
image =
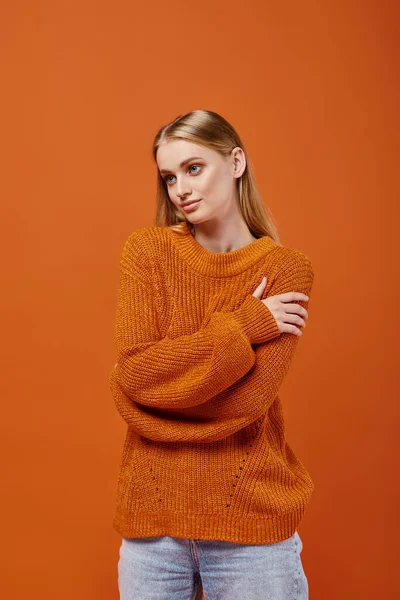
(146, 236)
(289, 270)
(143, 246)
(286, 258)
(148, 240)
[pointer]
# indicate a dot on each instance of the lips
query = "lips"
(190, 205)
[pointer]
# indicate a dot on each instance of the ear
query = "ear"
(238, 161)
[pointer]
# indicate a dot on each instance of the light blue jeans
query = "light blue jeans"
(169, 568)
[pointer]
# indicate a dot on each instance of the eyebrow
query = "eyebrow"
(183, 163)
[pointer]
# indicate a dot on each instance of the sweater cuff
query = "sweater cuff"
(256, 320)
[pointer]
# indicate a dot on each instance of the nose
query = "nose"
(182, 188)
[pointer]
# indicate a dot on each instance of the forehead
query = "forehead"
(171, 153)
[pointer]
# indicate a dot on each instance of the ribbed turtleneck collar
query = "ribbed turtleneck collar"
(219, 264)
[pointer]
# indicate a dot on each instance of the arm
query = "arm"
(187, 370)
(247, 399)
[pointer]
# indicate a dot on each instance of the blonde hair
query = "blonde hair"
(209, 129)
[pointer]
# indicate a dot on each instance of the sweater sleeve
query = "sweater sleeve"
(182, 372)
(241, 403)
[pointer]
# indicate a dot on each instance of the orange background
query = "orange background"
(312, 88)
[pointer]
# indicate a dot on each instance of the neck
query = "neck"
(240, 239)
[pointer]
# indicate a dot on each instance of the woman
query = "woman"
(210, 309)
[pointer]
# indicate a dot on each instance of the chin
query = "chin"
(196, 221)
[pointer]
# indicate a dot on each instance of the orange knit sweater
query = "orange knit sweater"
(200, 361)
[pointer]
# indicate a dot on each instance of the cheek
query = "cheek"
(217, 186)
(209, 183)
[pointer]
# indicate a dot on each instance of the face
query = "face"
(194, 172)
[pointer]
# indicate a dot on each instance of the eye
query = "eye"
(168, 181)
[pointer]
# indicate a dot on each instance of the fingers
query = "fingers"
(296, 308)
(292, 296)
(293, 318)
(259, 289)
(286, 315)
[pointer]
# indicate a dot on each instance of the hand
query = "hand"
(285, 314)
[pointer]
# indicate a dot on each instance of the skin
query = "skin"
(218, 223)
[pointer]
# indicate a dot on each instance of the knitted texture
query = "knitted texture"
(200, 362)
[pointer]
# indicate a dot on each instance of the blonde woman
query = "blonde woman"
(209, 313)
